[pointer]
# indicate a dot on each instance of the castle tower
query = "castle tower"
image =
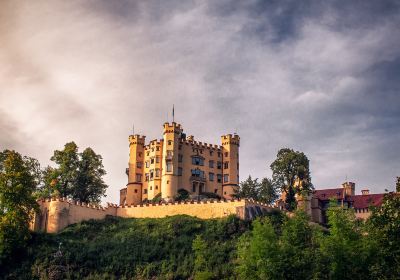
(349, 188)
(230, 164)
(135, 170)
(169, 183)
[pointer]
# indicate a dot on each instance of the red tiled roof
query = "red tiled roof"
(327, 194)
(364, 201)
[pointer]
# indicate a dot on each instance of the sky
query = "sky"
(321, 77)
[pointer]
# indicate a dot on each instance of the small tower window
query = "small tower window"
(219, 164)
(211, 164)
(169, 142)
(145, 191)
(226, 178)
(135, 191)
(226, 154)
(226, 164)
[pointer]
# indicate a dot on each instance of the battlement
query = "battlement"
(230, 139)
(199, 144)
(57, 213)
(137, 139)
(172, 127)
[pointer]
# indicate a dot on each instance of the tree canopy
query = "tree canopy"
(263, 191)
(291, 174)
(18, 181)
(77, 175)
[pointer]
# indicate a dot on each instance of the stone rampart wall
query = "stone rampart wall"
(57, 214)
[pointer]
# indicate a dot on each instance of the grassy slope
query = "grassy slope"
(117, 248)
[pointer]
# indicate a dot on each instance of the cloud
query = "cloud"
(320, 77)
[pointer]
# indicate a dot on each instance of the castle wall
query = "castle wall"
(57, 214)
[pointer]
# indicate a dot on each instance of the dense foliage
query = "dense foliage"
(18, 179)
(117, 248)
(291, 175)
(78, 176)
(182, 247)
(263, 191)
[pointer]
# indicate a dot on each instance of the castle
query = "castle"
(175, 162)
(159, 171)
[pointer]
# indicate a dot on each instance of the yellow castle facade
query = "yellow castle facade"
(176, 161)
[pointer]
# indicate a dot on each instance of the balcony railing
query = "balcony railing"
(197, 178)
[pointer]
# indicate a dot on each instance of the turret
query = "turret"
(135, 170)
(230, 164)
(349, 188)
(171, 137)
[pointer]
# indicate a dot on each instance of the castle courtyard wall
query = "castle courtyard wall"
(56, 214)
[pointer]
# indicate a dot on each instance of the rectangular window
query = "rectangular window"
(197, 161)
(211, 176)
(147, 164)
(138, 164)
(180, 171)
(226, 164)
(152, 161)
(140, 154)
(169, 166)
(157, 148)
(151, 174)
(157, 159)
(194, 187)
(226, 178)
(169, 142)
(147, 176)
(145, 191)
(138, 177)
(219, 178)
(219, 165)
(211, 153)
(219, 154)
(198, 173)
(226, 154)
(157, 172)
(211, 164)
(180, 158)
(169, 153)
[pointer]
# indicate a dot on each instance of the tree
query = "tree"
(263, 191)
(17, 185)
(291, 174)
(201, 267)
(78, 175)
(248, 189)
(267, 192)
(398, 185)
(258, 252)
(384, 229)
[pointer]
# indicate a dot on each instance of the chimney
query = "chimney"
(365, 192)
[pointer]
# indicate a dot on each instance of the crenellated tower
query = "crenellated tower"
(230, 165)
(169, 182)
(135, 170)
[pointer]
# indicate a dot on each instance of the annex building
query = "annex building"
(176, 161)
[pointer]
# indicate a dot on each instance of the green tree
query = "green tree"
(90, 186)
(398, 185)
(267, 192)
(263, 191)
(201, 267)
(384, 229)
(291, 174)
(17, 185)
(344, 249)
(248, 189)
(78, 175)
(258, 252)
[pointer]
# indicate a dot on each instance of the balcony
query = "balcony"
(197, 178)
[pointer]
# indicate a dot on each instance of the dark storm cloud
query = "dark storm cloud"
(318, 76)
